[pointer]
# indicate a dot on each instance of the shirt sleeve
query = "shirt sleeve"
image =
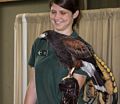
(31, 60)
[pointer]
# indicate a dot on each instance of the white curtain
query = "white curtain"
(99, 27)
(20, 58)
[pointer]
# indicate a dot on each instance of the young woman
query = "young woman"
(47, 69)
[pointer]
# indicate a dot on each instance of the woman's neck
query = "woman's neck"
(68, 33)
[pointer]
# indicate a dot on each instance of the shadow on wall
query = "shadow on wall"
(96, 4)
(1, 58)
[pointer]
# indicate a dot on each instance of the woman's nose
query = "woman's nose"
(57, 16)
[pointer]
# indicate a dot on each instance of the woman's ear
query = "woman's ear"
(75, 15)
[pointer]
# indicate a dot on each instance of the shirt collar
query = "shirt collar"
(74, 35)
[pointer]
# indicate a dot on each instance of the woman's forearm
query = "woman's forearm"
(31, 96)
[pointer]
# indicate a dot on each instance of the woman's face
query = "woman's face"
(62, 19)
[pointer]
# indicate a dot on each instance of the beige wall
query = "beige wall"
(8, 11)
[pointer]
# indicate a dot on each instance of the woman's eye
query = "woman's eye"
(63, 13)
(53, 12)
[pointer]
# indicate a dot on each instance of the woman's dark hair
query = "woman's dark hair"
(72, 5)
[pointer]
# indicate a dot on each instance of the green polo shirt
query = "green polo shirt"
(49, 72)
